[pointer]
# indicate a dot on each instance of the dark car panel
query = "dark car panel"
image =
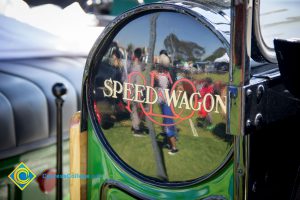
(27, 100)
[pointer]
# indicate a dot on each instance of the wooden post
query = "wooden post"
(78, 159)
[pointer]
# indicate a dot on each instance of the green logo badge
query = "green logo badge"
(22, 176)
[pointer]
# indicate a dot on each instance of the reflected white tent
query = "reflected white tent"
(224, 58)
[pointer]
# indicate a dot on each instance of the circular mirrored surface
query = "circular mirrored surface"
(158, 89)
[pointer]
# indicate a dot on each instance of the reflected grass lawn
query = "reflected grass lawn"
(197, 156)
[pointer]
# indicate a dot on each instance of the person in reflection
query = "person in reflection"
(204, 118)
(136, 67)
(116, 57)
(109, 111)
(164, 81)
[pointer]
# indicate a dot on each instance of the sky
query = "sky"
(137, 32)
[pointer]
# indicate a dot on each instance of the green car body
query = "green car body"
(100, 163)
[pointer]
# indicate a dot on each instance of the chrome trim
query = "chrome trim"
(241, 167)
(240, 54)
(241, 24)
(239, 71)
(266, 52)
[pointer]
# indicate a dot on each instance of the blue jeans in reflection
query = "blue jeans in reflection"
(166, 110)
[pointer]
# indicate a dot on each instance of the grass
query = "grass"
(197, 156)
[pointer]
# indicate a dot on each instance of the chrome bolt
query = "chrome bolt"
(248, 123)
(254, 187)
(258, 120)
(249, 92)
(240, 171)
(260, 92)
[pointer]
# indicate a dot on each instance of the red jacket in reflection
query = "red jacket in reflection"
(207, 88)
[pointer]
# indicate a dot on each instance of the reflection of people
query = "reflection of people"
(163, 77)
(136, 67)
(107, 110)
(204, 119)
(116, 58)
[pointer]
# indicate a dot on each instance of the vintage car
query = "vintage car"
(178, 100)
(153, 127)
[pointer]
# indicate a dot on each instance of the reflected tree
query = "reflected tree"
(183, 50)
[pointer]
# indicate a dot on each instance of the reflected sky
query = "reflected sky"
(184, 27)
